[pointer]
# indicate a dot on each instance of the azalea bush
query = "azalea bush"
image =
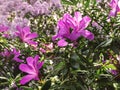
(59, 44)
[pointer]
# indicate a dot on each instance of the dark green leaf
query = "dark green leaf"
(47, 85)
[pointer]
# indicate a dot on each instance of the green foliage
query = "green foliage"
(83, 67)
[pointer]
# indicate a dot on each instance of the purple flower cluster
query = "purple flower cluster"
(12, 12)
(20, 7)
(72, 28)
(35, 8)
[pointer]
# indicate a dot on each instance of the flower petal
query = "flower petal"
(30, 60)
(26, 79)
(84, 22)
(36, 58)
(69, 21)
(113, 12)
(31, 36)
(114, 4)
(74, 35)
(40, 64)
(62, 43)
(26, 30)
(17, 59)
(26, 68)
(119, 4)
(32, 43)
(54, 37)
(77, 16)
(18, 28)
(87, 34)
(63, 28)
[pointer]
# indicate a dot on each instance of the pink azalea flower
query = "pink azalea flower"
(12, 54)
(62, 43)
(3, 28)
(31, 68)
(26, 36)
(72, 28)
(115, 7)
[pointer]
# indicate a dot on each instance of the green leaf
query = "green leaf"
(87, 3)
(26, 88)
(110, 66)
(94, 2)
(4, 78)
(59, 66)
(75, 57)
(105, 43)
(75, 65)
(80, 71)
(70, 2)
(67, 2)
(47, 85)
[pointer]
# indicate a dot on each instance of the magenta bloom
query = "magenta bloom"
(114, 72)
(11, 55)
(32, 68)
(26, 36)
(72, 28)
(115, 7)
(3, 28)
